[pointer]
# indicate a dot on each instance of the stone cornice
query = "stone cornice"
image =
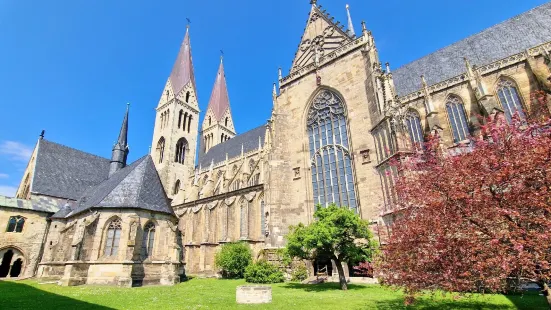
(324, 60)
(482, 70)
(178, 102)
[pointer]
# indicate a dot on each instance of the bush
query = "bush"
(263, 272)
(233, 258)
(299, 274)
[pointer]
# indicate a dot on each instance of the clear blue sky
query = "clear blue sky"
(70, 66)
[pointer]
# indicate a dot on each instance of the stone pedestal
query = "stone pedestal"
(253, 294)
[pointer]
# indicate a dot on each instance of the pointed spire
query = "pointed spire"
(120, 149)
(350, 31)
(313, 2)
(219, 99)
(274, 92)
(470, 72)
(182, 71)
(387, 67)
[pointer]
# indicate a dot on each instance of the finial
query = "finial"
(364, 27)
(188, 23)
(42, 134)
(423, 81)
(387, 67)
(274, 91)
(351, 31)
(313, 2)
(149, 152)
(221, 56)
(279, 74)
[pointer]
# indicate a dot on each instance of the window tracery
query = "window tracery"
(458, 120)
(15, 224)
(413, 124)
(510, 99)
(113, 238)
(148, 239)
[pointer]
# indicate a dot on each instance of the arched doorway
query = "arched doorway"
(12, 263)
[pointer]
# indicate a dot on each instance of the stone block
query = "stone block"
(253, 294)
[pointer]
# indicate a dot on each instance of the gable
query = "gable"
(321, 36)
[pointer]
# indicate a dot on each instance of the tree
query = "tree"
(338, 233)
(233, 258)
(479, 220)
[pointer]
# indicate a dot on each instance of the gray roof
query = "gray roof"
(65, 172)
(507, 38)
(48, 207)
(136, 187)
(249, 141)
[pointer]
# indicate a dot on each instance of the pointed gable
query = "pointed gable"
(219, 99)
(182, 72)
(321, 35)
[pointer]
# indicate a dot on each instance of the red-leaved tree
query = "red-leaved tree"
(479, 221)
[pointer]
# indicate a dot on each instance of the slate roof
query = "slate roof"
(507, 38)
(232, 147)
(64, 172)
(182, 72)
(15, 203)
(219, 99)
(136, 186)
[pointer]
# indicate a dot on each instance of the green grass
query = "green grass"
(220, 294)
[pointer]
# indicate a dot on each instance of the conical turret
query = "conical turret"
(120, 149)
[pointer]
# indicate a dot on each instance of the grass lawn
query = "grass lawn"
(220, 294)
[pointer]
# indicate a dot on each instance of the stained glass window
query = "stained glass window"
(458, 120)
(332, 178)
(413, 124)
(147, 240)
(510, 99)
(113, 238)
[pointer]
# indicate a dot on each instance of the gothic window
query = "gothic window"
(15, 224)
(332, 178)
(176, 187)
(413, 124)
(221, 138)
(254, 179)
(181, 147)
(210, 120)
(187, 96)
(226, 122)
(510, 99)
(161, 149)
(458, 120)
(189, 123)
(184, 124)
(180, 114)
(148, 239)
(113, 238)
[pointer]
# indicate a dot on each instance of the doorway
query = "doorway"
(6, 263)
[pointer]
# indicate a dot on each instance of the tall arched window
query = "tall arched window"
(148, 239)
(210, 120)
(510, 99)
(181, 147)
(189, 123)
(413, 124)
(176, 187)
(161, 149)
(187, 96)
(180, 114)
(458, 120)
(15, 224)
(113, 238)
(226, 122)
(332, 177)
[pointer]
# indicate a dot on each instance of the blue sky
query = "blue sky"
(70, 67)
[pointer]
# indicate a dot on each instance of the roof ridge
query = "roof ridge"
(476, 33)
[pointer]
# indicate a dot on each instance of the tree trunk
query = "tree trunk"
(342, 277)
(546, 291)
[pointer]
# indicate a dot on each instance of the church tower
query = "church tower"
(176, 124)
(218, 122)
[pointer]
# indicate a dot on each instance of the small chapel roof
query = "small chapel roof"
(512, 36)
(247, 141)
(136, 186)
(64, 172)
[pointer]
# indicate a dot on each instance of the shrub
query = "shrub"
(364, 269)
(299, 274)
(233, 258)
(263, 272)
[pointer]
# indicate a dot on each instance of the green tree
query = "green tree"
(233, 258)
(338, 233)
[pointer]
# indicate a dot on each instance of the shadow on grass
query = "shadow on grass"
(520, 302)
(21, 296)
(322, 287)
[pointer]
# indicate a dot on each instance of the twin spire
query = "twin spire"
(219, 99)
(182, 72)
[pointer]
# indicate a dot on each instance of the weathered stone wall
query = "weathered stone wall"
(28, 242)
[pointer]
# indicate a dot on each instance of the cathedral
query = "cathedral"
(339, 116)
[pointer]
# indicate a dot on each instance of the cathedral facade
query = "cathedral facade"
(339, 116)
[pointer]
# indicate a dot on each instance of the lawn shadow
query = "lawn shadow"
(322, 287)
(465, 302)
(16, 295)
